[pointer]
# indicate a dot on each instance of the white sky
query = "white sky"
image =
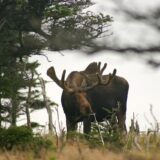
(144, 80)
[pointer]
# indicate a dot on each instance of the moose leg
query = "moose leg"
(86, 125)
(71, 126)
(121, 121)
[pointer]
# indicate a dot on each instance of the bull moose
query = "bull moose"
(89, 91)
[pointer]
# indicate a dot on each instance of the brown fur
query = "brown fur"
(79, 98)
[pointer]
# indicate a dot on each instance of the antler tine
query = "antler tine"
(111, 76)
(103, 68)
(63, 78)
(100, 80)
(96, 83)
(99, 66)
(99, 76)
(52, 74)
(61, 83)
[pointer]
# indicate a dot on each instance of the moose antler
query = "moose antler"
(61, 83)
(103, 68)
(100, 80)
(111, 76)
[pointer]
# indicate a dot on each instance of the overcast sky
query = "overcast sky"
(143, 79)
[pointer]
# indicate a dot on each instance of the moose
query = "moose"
(89, 91)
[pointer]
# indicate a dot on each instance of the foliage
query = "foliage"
(45, 23)
(15, 136)
(111, 136)
(136, 146)
(23, 138)
(139, 16)
(40, 142)
(19, 90)
(27, 27)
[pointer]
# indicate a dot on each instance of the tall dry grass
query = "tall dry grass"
(77, 149)
(133, 146)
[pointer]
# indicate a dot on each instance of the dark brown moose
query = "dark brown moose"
(89, 91)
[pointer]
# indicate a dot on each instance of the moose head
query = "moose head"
(79, 82)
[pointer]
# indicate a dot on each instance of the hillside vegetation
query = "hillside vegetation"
(21, 143)
(76, 150)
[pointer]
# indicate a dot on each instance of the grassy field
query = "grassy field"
(109, 144)
(129, 147)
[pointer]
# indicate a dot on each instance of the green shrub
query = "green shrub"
(15, 136)
(40, 142)
(23, 138)
(109, 135)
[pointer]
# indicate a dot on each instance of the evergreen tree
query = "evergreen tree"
(27, 27)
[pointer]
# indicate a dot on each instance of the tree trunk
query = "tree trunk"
(49, 111)
(28, 116)
(27, 107)
(13, 111)
(0, 114)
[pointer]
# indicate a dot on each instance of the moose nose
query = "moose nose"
(88, 110)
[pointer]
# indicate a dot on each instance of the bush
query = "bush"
(111, 136)
(39, 143)
(22, 137)
(15, 136)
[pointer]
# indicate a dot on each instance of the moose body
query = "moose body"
(85, 93)
(112, 97)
